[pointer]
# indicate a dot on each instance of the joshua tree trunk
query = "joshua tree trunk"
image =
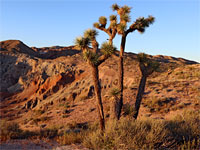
(121, 73)
(139, 95)
(97, 87)
(114, 108)
(110, 41)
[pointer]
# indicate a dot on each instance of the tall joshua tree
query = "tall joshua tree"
(147, 67)
(120, 27)
(94, 59)
(140, 24)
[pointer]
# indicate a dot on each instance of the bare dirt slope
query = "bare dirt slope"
(52, 86)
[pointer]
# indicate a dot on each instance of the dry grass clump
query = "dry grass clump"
(159, 104)
(181, 132)
(187, 72)
(73, 133)
(127, 134)
(12, 130)
(9, 130)
(48, 133)
(128, 110)
(70, 138)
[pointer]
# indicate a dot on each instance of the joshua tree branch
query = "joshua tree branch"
(103, 29)
(102, 59)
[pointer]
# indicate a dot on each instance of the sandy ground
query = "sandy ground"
(37, 145)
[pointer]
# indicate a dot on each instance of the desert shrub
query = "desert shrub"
(27, 134)
(61, 105)
(40, 119)
(127, 134)
(128, 109)
(75, 133)
(39, 111)
(67, 105)
(70, 138)
(65, 116)
(181, 132)
(134, 85)
(114, 92)
(150, 83)
(10, 130)
(197, 100)
(179, 106)
(71, 125)
(159, 104)
(189, 123)
(190, 145)
(48, 133)
(82, 98)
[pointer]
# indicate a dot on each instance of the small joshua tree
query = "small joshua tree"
(94, 59)
(147, 67)
(121, 28)
(114, 105)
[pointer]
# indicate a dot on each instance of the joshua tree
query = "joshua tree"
(94, 59)
(147, 67)
(121, 28)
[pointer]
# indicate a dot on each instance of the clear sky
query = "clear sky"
(176, 31)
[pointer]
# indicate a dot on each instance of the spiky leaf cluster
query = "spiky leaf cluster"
(114, 92)
(125, 18)
(123, 13)
(103, 20)
(142, 58)
(121, 28)
(155, 66)
(82, 43)
(113, 18)
(113, 21)
(91, 57)
(96, 25)
(115, 7)
(91, 34)
(107, 49)
(126, 9)
(141, 23)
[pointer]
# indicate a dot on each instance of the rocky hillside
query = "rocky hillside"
(56, 83)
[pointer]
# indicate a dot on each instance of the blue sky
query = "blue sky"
(58, 22)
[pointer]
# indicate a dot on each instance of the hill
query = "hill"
(16, 46)
(56, 83)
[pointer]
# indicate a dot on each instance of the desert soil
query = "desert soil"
(37, 145)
